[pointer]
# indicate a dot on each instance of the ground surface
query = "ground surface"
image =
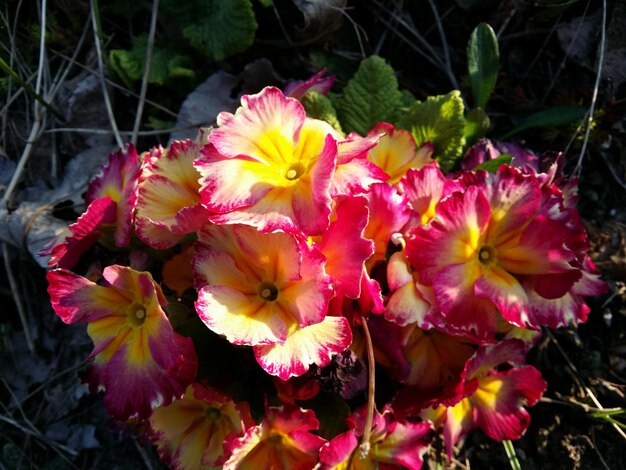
(550, 56)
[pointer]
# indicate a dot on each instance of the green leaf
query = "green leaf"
(558, 116)
(439, 120)
(129, 64)
(218, 28)
(318, 106)
(492, 165)
(476, 125)
(371, 96)
(266, 3)
(483, 59)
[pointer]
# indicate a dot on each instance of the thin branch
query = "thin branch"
(576, 377)
(107, 101)
(596, 87)
(121, 88)
(17, 298)
(30, 145)
(433, 58)
(39, 112)
(444, 44)
(146, 71)
(85, 130)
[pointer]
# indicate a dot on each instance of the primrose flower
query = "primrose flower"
(168, 205)
(269, 166)
(283, 441)
(269, 291)
(118, 181)
(393, 444)
(110, 199)
(297, 89)
(424, 188)
(139, 362)
(258, 285)
(428, 362)
(483, 243)
(192, 433)
(492, 400)
(396, 151)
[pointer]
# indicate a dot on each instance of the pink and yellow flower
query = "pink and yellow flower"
(110, 199)
(283, 441)
(168, 205)
(492, 400)
(393, 444)
(194, 433)
(269, 291)
(269, 166)
(424, 188)
(118, 181)
(484, 241)
(139, 362)
(318, 82)
(396, 152)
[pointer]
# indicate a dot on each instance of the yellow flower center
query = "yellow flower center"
(295, 171)
(268, 291)
(213, 413)
(487, 255)
(136, 314)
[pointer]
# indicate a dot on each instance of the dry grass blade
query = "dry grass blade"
(17, 298)
(444, 45)
(146, 71)
(105, 93)
(596, 87)
(576, 377)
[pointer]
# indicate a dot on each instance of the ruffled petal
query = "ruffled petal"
(315, 344)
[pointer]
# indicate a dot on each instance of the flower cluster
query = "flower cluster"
(275, 247)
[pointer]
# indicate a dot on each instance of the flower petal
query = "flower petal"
(315, 344)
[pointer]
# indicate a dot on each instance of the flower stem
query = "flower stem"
(364, 448)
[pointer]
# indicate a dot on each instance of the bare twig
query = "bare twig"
(39, 116)
(146, 71)
(596, 87)
(444, 45)
(595, 446)
(432, 56)
(17, 298)
(358, 29)
(576, 377)
(85, 130)
(126, 91)
(567, 52)
(613, 171)
(105, 94)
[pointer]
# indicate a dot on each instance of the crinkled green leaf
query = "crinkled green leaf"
(129, 64)
(439, 120)
(218, 28)
(370, 97)
(319, 106)
(266, 3)
(483, 60)
(492, 165)
(558, 116)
